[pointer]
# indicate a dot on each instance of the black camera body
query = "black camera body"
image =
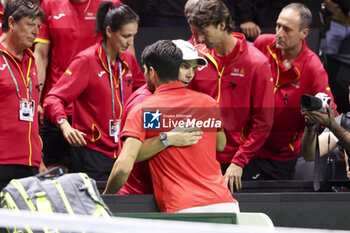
(315, 103)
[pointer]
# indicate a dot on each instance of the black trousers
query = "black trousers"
(56, 150)
(266, 169)
(95, 164)
(9, 172)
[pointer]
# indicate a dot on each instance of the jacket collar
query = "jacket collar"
(27, 53)
(103, 58)
(169, 86)
(298, 62)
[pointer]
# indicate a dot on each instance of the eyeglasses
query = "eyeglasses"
(29, 4)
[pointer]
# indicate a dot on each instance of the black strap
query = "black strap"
(317, 166)
(322, 166)
(50, 171)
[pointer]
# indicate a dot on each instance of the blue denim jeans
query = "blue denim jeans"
(334, 37)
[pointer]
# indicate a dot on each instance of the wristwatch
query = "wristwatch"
(60, 121)
(163, 138)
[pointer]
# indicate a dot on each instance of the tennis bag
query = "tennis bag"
(73, 193)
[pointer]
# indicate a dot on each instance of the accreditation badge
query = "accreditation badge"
(26, 109)
(114, 129)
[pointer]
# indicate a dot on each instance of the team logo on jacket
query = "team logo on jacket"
(238, 72)
(101, 73)
(129, 74)
(200, 68)
(151, 119)
(57, 17)
(90, 16)
(3, 67)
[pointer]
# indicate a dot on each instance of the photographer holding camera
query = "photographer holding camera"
(328, 140)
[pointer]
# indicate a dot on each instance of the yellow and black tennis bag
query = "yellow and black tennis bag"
(73, 193)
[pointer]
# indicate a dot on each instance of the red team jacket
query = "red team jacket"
(19, 140)
(87, 83)
(139, 181)
(306, 76)
(244, 90)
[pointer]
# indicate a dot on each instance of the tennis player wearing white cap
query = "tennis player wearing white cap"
(191, 61)
(139, 181)
(188, 178)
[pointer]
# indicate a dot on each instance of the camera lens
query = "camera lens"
(310, 103)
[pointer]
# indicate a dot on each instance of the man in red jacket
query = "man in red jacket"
(296, 71)
(238, 77)
(20, 144)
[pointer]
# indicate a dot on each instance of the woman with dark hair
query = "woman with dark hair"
(68, 29)
(99, 81)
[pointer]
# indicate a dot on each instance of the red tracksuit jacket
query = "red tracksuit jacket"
(244, 91)
(306, 76)
(87, 83)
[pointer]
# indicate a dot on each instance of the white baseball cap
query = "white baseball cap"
(189, 52)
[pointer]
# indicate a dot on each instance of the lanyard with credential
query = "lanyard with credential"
(15, 81)
(111, 81)
(121, 81)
